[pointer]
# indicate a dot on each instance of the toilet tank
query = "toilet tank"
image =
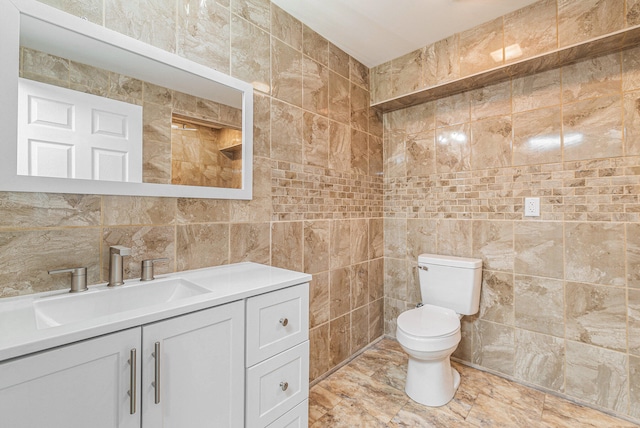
(450, 282)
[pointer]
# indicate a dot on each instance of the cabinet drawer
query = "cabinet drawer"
(276, 321)
(277, 385)
(298, 417)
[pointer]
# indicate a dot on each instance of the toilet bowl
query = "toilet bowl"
(450, 288)
(429, 335)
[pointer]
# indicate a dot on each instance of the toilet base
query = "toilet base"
(431, 383)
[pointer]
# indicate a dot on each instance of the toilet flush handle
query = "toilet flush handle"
(423, 267)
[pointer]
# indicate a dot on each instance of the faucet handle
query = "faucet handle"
(147, 268)
(119, 249)
(78, 278)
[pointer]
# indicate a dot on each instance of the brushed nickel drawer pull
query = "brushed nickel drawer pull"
(284, 385)
(156, 381)
(132, 381)
(284, 321)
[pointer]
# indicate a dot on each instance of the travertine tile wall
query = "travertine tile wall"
(560, 304)
(541, 27)
(317, 204)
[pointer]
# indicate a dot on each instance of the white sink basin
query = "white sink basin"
(71, 308)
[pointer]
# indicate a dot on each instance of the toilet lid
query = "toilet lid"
(429, 321)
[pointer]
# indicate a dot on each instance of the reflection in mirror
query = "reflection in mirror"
(205, 153)
(149, 95)
(79, 121)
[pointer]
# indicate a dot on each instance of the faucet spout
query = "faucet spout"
(115, 264)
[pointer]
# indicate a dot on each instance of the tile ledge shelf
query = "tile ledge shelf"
(605, 44)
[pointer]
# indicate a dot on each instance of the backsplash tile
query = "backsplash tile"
(533, 29)
(135, 210)
(250, 243)
(92, 10)
(286, 245)
(585, 19)
(315, 46)
(250, 59)
(409, 68)
(258, 12)
(497, 297)
(633, 255)
(539, 359)
(481, 47)
(537, 136)
(27, 255)
(315, 87)
(286, 73)
(201, 245)
(594, 253)
(494, 346)
(539, 305)
(338, 61)
(339, 100)
(596, 315)
(494, 100)
(195, 22)
(538, 249)
(591, 78)
(491, 142)
(536, 91)
(131, 20)
(493, 243)
(597, 376)
(286, 28)
(33, 210)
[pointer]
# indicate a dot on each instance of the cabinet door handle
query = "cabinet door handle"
(156, 381)
(284, 385)
(132, 380)
(284, 321)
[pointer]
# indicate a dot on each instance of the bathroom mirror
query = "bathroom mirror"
(222, 117)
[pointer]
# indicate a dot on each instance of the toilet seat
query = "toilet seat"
(428, 329)
(429, 321)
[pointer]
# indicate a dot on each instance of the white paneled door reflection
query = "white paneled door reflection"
(70, 134)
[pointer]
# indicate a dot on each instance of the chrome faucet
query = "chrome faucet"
(116, 253)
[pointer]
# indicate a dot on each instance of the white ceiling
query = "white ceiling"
(376, 31)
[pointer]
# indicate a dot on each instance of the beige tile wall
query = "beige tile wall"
(560, 303)
(317, 204)
(538, 28)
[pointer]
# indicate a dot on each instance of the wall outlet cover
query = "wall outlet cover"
(532, 207)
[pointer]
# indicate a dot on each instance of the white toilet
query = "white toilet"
(450, 288)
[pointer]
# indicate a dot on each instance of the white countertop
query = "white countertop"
(19, 334)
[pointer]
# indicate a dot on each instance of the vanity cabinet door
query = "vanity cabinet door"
(199, 378)
(82, 385)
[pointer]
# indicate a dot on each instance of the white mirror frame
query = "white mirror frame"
(50, 30)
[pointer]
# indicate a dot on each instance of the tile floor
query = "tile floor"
(369, 392)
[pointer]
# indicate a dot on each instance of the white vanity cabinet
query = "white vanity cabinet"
(198, 381)
(76, 386)
(234, 355)
(278, 358)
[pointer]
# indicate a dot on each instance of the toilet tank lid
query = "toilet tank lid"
(453, 261)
